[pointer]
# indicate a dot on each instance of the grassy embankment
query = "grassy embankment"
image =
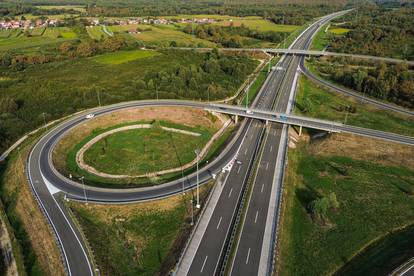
(34, 246)
(374, 185)
(314, 102)
(139, 239)
(142, 151)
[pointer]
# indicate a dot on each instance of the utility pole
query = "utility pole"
(197, 152)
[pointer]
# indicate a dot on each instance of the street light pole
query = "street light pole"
(192, 212)
(198, 190)
(84, 190)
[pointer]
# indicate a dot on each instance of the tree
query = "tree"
(66, 47)
(86, 49)
(333, 201)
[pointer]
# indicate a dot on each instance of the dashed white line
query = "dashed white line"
(262, 188)
(271, 148)
(204, 263)
(218, 224)
(245, 152)
(248, 255)
(255, 219)
(267, 165)
(231, 190)
(238, 170)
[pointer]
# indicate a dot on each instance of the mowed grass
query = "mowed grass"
(374, 200)
(314, 102)
(324, 37)
(123, 56)
(141, 151)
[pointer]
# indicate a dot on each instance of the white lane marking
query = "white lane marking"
(218, 224)
(255, 219)
(245, 152)
(248, 255)
(271, 148)
(204, 263)
(238, 170)
(262, 188)
(267, 165)
(231, 190)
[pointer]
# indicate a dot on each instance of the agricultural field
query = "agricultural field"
(63, 7)
(162, 35)
(315, 102)
(369, 187)
(96, 32)
(16, 40)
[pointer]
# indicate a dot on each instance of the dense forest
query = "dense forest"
(393, 83)
(378, 31)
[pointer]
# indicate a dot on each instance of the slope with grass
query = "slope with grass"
(138, 239)
(314, 102)
(373, 184)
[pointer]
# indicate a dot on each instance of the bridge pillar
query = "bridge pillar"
(267, 122)
(300, 130)
(236, 119)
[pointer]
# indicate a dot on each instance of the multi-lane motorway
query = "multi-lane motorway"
(259, 148)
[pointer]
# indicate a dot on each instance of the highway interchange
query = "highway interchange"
(260, 149)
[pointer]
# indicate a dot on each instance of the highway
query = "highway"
(213, 250)
(254, 250)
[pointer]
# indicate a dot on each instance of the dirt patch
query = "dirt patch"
(367, 149)
(191, 117)
(33, 220)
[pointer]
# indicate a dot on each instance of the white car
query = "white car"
(239, 162)
(249, 112)
(90, 116)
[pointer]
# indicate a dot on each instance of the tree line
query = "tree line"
(232, 36)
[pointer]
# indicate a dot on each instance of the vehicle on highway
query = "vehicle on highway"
(90, 116)
(239, 162)
(249, 112)
(283, 117)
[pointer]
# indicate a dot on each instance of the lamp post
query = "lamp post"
(84, 190)
(192, 212)
(197, 152)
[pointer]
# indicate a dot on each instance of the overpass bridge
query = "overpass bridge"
(301, 121)
(302, 52)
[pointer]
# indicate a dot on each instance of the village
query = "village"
(45, 22)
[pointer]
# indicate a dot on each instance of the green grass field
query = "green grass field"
(259, 24)
(315, 102)
(141, 151)
(123, 56)
(373, 201)
(338, 31)
(63, 7)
